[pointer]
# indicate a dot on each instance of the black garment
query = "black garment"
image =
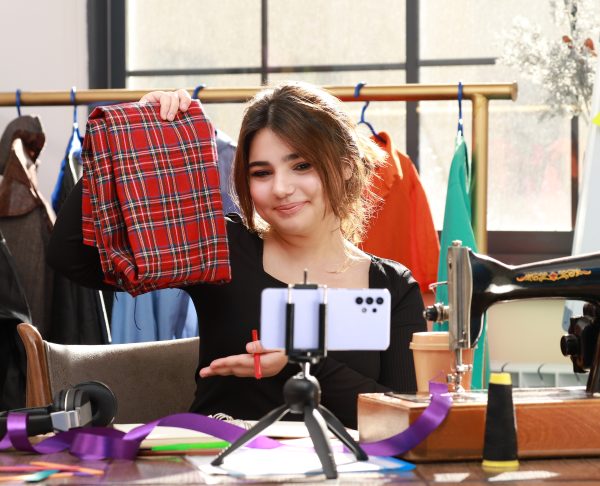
(23, 220)
(229, 312)
(77, 312)
(13, 311)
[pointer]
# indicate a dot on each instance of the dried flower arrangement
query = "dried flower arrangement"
(565, 65)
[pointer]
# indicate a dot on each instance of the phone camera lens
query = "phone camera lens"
(380, 300)
(369, 300)
(359, 300)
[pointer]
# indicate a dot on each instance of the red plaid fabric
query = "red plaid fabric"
(151, 200)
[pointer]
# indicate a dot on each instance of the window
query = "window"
(172, 43)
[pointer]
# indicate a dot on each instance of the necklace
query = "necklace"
(346, 264)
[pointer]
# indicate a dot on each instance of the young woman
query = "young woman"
(301, 175)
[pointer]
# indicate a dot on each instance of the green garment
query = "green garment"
(457, 226)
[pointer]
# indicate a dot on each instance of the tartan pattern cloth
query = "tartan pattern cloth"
(151, 202)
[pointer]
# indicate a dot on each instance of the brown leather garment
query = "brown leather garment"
(26, 220)
(18, 193)
(29, 129)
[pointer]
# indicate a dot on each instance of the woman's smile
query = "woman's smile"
(290, 208)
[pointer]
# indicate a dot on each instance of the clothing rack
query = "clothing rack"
(479, 94)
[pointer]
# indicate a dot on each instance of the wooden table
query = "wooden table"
(175, 470)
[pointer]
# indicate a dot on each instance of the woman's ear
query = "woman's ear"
(347, 171)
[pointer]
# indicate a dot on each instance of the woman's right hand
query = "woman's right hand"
(170, 102)
(243, 365)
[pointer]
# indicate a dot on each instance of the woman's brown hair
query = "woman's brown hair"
(312, 123)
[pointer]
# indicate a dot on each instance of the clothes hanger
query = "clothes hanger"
(18, 101)
(74, 103)
(197, 90)
(460, 130)
(460, 117)
(75, 142)
(362, 120)
(195, 93)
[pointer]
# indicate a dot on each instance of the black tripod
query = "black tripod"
(302, 395)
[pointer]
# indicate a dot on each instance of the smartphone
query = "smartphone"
(357, 319)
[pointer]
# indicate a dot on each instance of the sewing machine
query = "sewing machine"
(476, 282)
(552, 422)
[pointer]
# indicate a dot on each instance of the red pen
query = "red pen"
(257, 369)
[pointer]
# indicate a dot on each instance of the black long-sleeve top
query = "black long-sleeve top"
(227, 313)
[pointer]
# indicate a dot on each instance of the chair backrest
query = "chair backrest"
(150, 380)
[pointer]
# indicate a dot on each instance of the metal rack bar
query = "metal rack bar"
(479, 94)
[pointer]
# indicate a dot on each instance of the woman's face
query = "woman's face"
(286, 190)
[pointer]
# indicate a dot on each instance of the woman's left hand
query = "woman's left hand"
(170, 102)
(242, 365)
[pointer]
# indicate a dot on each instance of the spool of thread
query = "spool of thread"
(500, 440)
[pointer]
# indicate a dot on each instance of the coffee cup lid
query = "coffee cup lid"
(430, 340)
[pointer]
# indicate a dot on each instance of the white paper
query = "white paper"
(281, 429)
(290, 461)
(450, 477)
(287, 429)
(522, 475)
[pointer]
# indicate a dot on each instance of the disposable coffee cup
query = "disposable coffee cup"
(435, 361)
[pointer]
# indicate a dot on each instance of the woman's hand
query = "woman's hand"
(242, 365)
(170, 102)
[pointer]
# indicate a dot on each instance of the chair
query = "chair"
(150, 380)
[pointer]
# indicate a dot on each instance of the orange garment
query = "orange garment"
(402, 228)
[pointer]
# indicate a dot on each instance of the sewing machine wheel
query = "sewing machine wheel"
(581, 341)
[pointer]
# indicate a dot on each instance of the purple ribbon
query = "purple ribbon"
(104, 443)
(428, 421)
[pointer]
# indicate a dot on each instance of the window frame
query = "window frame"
(107, 69)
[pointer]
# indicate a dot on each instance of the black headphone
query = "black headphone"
(89, 403)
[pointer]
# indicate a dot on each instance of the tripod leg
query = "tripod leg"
(317, 428)
(341, 433)
(261, 425)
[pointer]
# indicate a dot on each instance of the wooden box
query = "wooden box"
(551, 422)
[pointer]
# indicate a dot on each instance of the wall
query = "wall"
(526, 332)
(44, 47)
